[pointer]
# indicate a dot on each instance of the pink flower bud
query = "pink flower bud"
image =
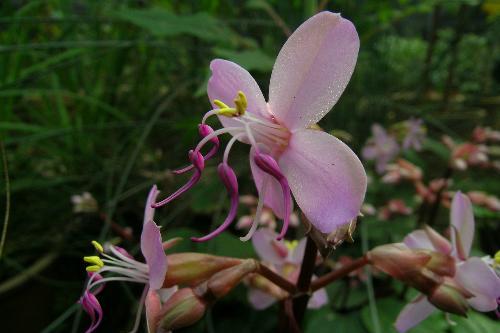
(183, 309)
(193, 268)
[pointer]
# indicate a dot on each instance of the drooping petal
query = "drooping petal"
(413, 313)
(152, 249)
(318, 299)
(148, 210)
(462, 219)
(272, 194)
(259, 299)
(418, 239)
(227, 79)
(313, 69)
(326, 178)
(478, 278)
(265, 244)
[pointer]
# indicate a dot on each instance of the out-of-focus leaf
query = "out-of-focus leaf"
(229, 245)
(388, 310)
(186, 245)
(481, 212)
(250, 59)
(163, 23)
(437, 148)
(324, 320)
(475, 323)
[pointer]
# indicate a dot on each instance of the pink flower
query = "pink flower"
(285, 258)
(472, 273)
(382, 148)
(415, 134)
(123, 267)
(287, 156)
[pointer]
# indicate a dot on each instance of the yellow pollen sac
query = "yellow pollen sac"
(290, 245)
(241, 106)
(497, 258)
(93, 268)
(98, 246)
(94, 260)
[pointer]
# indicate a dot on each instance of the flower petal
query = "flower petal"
(318, 299)
(326, 178)
(152, 249)
(418, 239)
(267, 247)
(273, 194)
(259, 299)
(462, 219)
(149, 211)
(313, 69)
(478, 278)
(413, 313)
(227, 79)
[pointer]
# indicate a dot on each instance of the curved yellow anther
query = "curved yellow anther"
(497, 258)
(241, 103)
(221, 104)
(93, 268)
(94, 260)
(98, 246)
(290, 245)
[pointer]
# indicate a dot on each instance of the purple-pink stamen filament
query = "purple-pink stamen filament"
(269, 165)
(199, 163)
(204, 131)
(230, 181)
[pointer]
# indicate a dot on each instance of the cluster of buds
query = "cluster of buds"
(483, 199)
(393, 208)
(485, 134)
(187, 305)
(400, 171)
(466, 154)
(428, 271)
(436, 189)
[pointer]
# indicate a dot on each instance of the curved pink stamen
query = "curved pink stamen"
(204, 131)
(198, 162)
(91, 305)
(230, 181)
(269, 165)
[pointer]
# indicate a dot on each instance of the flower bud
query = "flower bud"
(224, 281)
(192, 268)
(183, 309)
(441, 264)
(450, 297)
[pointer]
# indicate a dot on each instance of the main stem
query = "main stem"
(304, 280)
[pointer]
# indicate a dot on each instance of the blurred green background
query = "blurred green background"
(105, 96)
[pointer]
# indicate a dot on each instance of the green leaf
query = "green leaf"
(163, 23)
(229, 245)
(324, 320)
(475, 323)
(388, 310)
(250, 59)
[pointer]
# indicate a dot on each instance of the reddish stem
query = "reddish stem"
(326, 279)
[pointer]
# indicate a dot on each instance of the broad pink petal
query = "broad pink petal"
(148, 210)
(327, 179)
(313, 69)
(267, 247)
(413, 313)
(273, 194)
(318, 299)
(418, 239)
(227, 79)
(478, 278)
(296, 255)
(259, 299)
(462, 219)
(152, 249)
